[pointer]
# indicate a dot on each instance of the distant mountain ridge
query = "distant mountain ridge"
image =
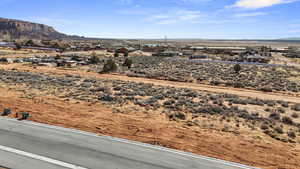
(292, 38)
(17, 29)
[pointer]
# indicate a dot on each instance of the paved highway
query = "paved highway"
(28, 145)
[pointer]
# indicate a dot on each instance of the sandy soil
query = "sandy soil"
(23, 53)
(247, 147)
(279, 59)
(289, 97)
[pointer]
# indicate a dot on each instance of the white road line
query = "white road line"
(41, 158)
(187, 154)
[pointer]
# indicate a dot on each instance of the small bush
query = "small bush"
(286, 105)
(29, 43)
(295, 115)
(281, 110)
(110, 66)
(264, 126)
(127, 63)
(94, 59)
(237, 68)
(57, 57)
(75, 57)
(126, 54)
(6, 112)
(271, 104)
(291, 134)
(266, 89)
(18, 46)
(287, 120)
(116, 54)
(274, 116)
(279, 130)
(268, 110)
(296, 107)
(177, 115)
(238, 85)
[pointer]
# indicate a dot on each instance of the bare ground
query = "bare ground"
(249, 148)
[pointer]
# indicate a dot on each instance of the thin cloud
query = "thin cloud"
(295, 31)
(176, 16)
(256, 4)
(194, 1)
(251, 14)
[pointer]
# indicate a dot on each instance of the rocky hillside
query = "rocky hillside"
(16, 29)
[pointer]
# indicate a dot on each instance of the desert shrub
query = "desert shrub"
(266, 89)
(291, 134)
(264, 126)
(213, 97)
(25, 115)
(255, 114)
(279, 130)
(246, 115)
(240, 101)
(128, 63)
(169, 102)
(3, 59)
(107, 98)
(177, 115)
(75, 57)
(281, 110)
(215, 83)
(29, 43)
(237, 68)
(94, 59)
(226, 128)
(295, 115)
(126, 54)
(6, 112)
(271, 103)
(110, 66)
(255, 102)
(296, 107)
(116, 54)
(270, 133)
(268, 110)
(18, 46)
(238, 85)
(286, 105)
(274, 116)
(287, 120)
(57, 57)
(215, 109)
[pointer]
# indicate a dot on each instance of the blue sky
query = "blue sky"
(157, 18)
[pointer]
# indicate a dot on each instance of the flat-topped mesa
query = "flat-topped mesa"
(16, 29)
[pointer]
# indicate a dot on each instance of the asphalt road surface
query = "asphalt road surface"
(28, 145)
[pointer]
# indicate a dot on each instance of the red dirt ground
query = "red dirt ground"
(155, 129)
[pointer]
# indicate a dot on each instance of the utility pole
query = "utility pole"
(166, 40)
(140, 44)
